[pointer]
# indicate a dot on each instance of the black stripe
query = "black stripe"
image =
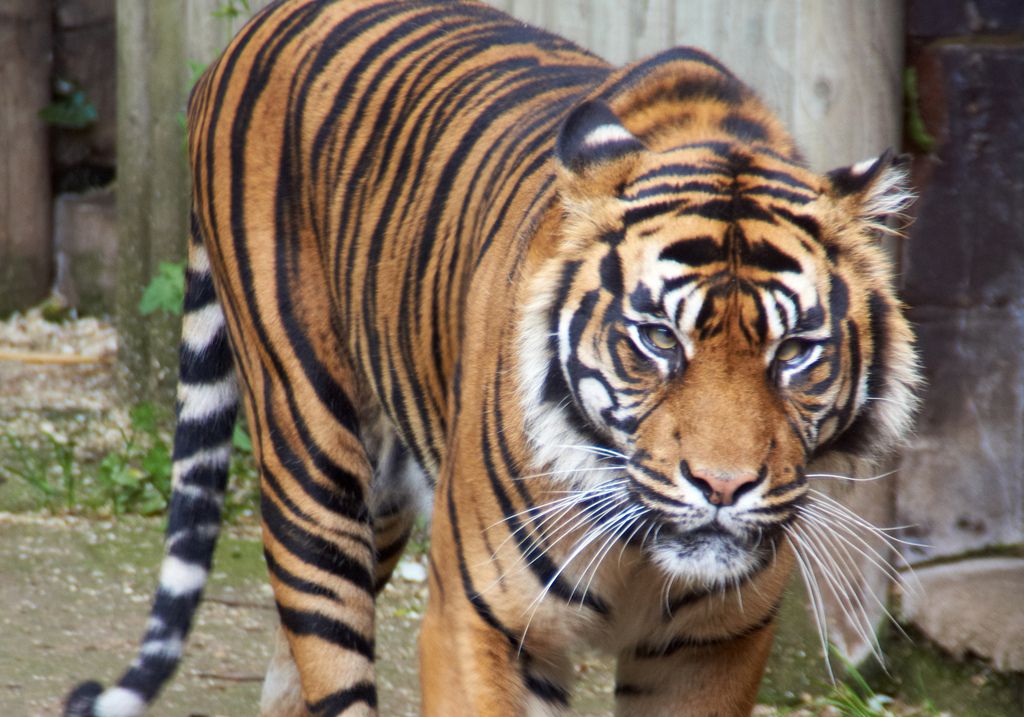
(210, 365)
(199, 291)
(783, 194)
(728, 210)
(808, 225)
(210, 431)
(744, 128)
(657, 651)
(547, 690)
(297, 583)
(337, 702)
(770, 258)
(319, 553)
(698, 251)
(611, 272)
(328, 629)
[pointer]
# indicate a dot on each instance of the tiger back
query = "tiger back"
(606, 317)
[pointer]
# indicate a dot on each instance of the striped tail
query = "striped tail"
(207, 403)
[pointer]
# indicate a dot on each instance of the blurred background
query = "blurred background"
(93, 210)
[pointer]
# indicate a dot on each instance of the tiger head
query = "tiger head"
(712, 317)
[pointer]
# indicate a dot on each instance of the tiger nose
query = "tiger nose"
(719, 487)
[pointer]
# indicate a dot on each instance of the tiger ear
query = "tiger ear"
(876, 191)
(595, 151)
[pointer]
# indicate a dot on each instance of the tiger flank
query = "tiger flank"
(607, 317)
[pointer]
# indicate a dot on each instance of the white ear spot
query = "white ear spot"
(607, 134)
(862, 167)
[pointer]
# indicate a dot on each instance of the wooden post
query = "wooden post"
(157, 41)
(26, 252)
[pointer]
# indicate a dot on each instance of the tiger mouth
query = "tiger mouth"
(717, 538)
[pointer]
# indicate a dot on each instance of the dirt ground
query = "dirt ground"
(76, 594)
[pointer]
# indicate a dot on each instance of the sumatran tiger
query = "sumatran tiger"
(607, 317)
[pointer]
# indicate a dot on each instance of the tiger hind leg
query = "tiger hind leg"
(400, 493)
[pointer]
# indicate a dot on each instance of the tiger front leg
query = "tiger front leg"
(472, 662)
(717, 679)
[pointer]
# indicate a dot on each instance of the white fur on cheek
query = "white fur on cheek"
(594, 395)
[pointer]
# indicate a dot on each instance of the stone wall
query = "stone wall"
(962, 479)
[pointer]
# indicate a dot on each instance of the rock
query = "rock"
(85, 238)
(972, 606)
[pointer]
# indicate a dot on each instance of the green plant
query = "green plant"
(70, 108)
(855, 697)
(49, 469)
(917, 132)
(137, 478)
(166, 290)
(231, 9)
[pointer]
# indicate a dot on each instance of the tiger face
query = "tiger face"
(718, 321)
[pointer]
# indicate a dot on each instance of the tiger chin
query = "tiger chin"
(606, 317)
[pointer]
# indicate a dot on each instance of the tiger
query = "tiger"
(604, 318)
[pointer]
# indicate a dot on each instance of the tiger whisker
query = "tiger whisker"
(629, 518)
(880, 561)
(839, 510)
(599, 450)
(847, 597)
(524, 561)
(813, 594)
(588, 538)
(627, 541)
(571, 496)
(852, 479)
(556, 510)
(834, 521)
(570, 471)
(840, 546)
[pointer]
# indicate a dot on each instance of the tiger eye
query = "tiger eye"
(660, 337)
(790, 350)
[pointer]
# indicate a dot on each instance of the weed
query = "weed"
(165, 291)
(48, 469)
(137, 478)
